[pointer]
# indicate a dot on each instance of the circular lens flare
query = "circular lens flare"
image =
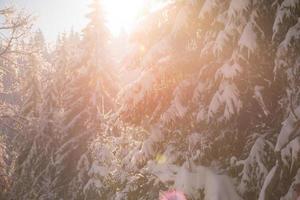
(172, 195)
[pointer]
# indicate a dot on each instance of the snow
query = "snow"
(292, 35)
(176, 109)
(290, 154)
(237, 7)
(288, 132)
(193, 140)
(290, 3)
(227, 96)
(97, 169)
(228, 71)
(190, 179)
(136, 91)
(92, 183)
(268, 180)
(181, 20)
(74, 120)
(258, 96)
(284, 11)
(200, 88)
(64, 150)
(174, 154)
(83, 162)
(221, 41)
(291, 194)
(207, 7)
(248, 38)
(254, 165)
(159, 50)
(201, 114)
(148, 148)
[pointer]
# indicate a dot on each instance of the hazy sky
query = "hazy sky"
(56, 16)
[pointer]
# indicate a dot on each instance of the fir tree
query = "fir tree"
(32, 93)
(208, 75)
(87, 98)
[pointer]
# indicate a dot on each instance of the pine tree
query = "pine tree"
(46, 143)
(26, 146)
(87, 97)
(31, 102)
(214, 113)
(31, 152)
(208, 75)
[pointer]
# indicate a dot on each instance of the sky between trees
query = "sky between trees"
(57, 16)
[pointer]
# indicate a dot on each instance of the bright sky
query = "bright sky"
(56, 16)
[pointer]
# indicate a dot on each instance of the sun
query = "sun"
(122, 14)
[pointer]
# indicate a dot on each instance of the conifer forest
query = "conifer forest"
(197, 100)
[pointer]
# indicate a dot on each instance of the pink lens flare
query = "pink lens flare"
(172, 195)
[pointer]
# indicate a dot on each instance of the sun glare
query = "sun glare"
(122, 14)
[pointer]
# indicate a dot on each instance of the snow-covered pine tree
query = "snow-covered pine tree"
(32, 93)
(208, 75)
(63, 60)
(13, 28)
(34, 137)
(40, 43)
(86, 98)
(30, 110)
(218, 79)
(286, 38)
(45, 142)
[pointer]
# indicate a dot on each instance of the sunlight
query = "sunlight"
(122, 14)
(149, 99)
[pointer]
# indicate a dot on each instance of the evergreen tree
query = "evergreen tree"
(45, 143)
(214, 113)
(26, 146)
(32, 93)
(87, 97)
(32, 155)
(207, 91)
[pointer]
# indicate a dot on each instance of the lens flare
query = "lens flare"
(172, 195)
(161, 159)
